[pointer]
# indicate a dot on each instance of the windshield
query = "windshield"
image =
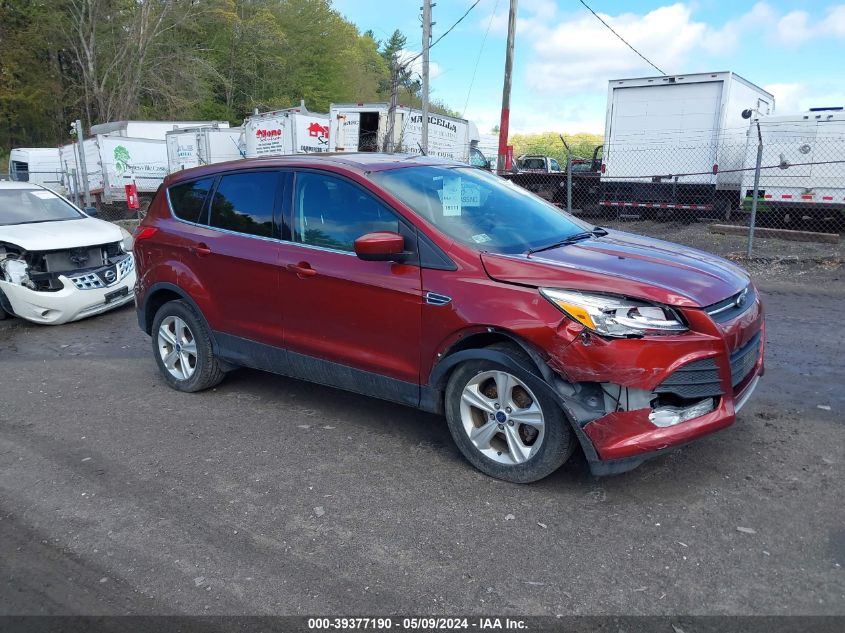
(25, 206)
(478, 208)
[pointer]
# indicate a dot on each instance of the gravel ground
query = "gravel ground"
(273, 496)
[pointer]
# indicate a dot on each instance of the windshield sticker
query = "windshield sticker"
(481, 238)
(450, 197)
(456, 195)
(44, 195)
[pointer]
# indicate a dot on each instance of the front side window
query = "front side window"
(244, 203)
(555, 166)
(187, 199)
(30, 206)
(332, 213)
(479, 208)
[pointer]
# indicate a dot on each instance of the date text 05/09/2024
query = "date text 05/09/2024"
(416, 624)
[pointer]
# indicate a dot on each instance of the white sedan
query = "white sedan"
(56, 263)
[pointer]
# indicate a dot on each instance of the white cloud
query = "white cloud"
(581, 53)
(791, 98)
(573, 53)
(434, 69)
(548, 118)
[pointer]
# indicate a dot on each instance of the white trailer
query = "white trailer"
(673, 142)
(801, 174)
(153, 130)
(192, 147)
(283, 132)
(38, 165)
(112, 162)
(364, 127)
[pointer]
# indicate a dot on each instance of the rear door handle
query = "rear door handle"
(202, 249)
(302, 269)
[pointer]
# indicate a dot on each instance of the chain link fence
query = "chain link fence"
(799, 181)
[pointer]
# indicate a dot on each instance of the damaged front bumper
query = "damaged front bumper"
(633, 399)
(82, 295)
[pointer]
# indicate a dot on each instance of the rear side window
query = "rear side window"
(187, 199)
(244, 203)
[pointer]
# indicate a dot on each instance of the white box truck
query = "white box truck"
(153, 130)
(364, 127)
(192, 147)
(672, 142)
(115, 161)
(288, 131)
(39, 165)
(802, 174)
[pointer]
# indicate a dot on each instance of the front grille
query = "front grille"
(698, 379)
(732, 307)
(744, 359)
(94, 279)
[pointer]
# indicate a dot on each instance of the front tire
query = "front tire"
(183, 350)
(504, 422)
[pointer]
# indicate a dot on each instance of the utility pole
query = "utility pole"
(506, 90)
(426, 43)
(757, 169)
(76, 126)
(388, 144)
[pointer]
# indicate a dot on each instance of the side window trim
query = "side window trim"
(276, 199)
(205, 202)
(409, 228)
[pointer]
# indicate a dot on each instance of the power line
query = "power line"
(449, 30)
(622, 38)
(478, 59)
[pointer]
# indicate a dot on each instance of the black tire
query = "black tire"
(206, 372)
(558, 442)
(3, 313)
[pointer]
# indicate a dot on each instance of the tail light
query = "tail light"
(603, 168)
(715, 168)
(144, 232)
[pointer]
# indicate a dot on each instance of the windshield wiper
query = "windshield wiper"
(572, 239)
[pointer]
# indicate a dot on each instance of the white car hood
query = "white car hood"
(52, 236)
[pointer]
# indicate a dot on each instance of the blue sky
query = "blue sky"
(564, 56)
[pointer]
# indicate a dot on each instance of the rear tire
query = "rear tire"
(183, 349)
(520, 436)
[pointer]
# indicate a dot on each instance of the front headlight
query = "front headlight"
(612, 315)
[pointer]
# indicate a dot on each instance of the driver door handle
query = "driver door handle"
(302, 269)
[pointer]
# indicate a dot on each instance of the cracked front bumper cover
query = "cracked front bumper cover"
(68, 304)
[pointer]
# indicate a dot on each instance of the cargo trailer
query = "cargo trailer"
(192, 147)
(678, 142)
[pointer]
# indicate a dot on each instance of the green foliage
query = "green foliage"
(168, 59)
(549, 144)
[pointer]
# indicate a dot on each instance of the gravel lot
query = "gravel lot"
(274, 496)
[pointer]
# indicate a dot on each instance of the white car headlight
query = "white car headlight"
(612, 315)
(126, 241)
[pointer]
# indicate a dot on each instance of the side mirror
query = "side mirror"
(92, 211)
(382, 246)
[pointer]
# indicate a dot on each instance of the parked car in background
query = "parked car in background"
(538, 164)
(56, 263)
(440, 286)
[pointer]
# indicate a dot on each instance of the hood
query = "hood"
(52, 236)
(622, 263)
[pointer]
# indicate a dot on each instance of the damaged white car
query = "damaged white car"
(56, 263)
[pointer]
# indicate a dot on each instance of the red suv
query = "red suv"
(443, 287)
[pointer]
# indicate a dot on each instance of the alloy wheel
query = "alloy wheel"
(177, 347)
(502, 418)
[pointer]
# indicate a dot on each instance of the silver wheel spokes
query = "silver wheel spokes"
(501, 417)
(177, 347)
